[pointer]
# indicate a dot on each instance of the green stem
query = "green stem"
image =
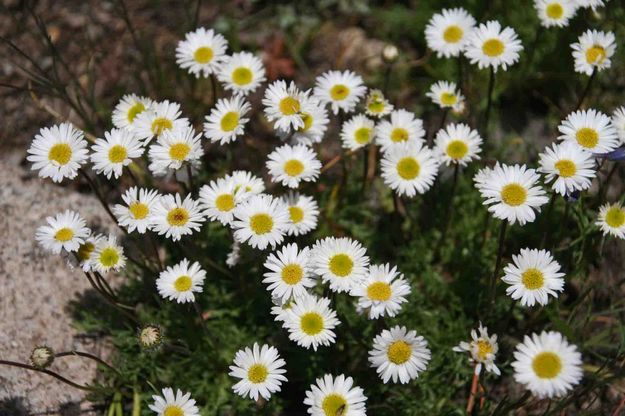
(491, 87)
(493, 279)
(586, 90)
(87, 355)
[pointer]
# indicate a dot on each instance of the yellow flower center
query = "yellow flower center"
(399, 135)
(85, 250)
(173, 410)
(296, 213)
(375, 106)
(595, 55)
(448, 98)
(292, 274)
(453, 34)
(178, 217)
(483, 349)
(457, 149)
(242, 76)
(380, 291)
(179, 151)
(135, 110)
(160, 124)
(183, 284)
(203, 55)
(493, 47)
(566, 168)
(109, 257)
(547, 365)
(289, 106)
(362, 135)
(513, 194)
(334, 405)
(339, 92)
(615, 217)
(311, 323)
(587, 137)
(308, 122)
(293, 167)
(261, 223)
(554, 11)
(139, 210)
(224, 202)
(408, 168)
(341, 265)
(117, 154)
(532, 279)
(399, 352)
(257, 373)
(60, 153)
(64, 234)
(230, 121)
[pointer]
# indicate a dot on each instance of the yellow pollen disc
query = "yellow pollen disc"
(297, 214)
(177, 217)
(341, 265)
(242, 76)
(293, 167)
(399, 135)
(483, 349)
(547, 365)
(160, 124)
(566, 168)
(138, 210)
(308, 122)
(587, 137)
(595, 55)
(179, 151)
(135, 110)
(203, 55)
(554, 11)
(85, 250)
(408, 168)
(173, 410)
(60, 153)
(64, 234)
(183, 284)
(224, 202)
(380, 291)
(334, 405)
(457, 149)
(292, 274)
(230, 121)
(532, 279)
(339, 92)
(257, 373)
(615, 217)
(448, 98)
(513, 194)
(493, 47)
(109, 257)
(117, 154)
(362, 135)
(399, 352)
(311, 323)
(289, 106)
(261, 223)
(453, 34)
(376, 106)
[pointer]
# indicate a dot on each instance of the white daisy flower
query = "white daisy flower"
(568, 167)
(173, 149)
(290, 274)
(611, 220)
(174, 217)
(618, 121)
(181, 281)
(135, 214)
(227, 120)
(482, 177)
(533, 276)
(342, 90)
(261, 221)
(512, 193)
(382, 291)
(157, 119)
(315, 117)
(402, 127)
(590, 3)
(555, 12)
(332, 396)
(341, 262)
(457, 143)
(290, 165)
(260, 370)
(357, 132)
(446, 32)
(86, 251)
(445, 95)
(399, 354)
(242, 73)
(280, 310)
(283, 105)
(169, 404)
(234, 256)
(249, 183)
(311, 321)
(65, 231)
(303, 213)
(201, 52)
(593, 51)
(219, 199)
(108, 255)
(482, 350)
(127, 110)
(547, 365)
(491, 46)
(115, 151)
(58, 152)
(591, 130)
(376, 105)
(409, 168)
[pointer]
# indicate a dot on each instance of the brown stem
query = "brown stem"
(335, 160)
(473, 393)
(48, 372)
(86, 355)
